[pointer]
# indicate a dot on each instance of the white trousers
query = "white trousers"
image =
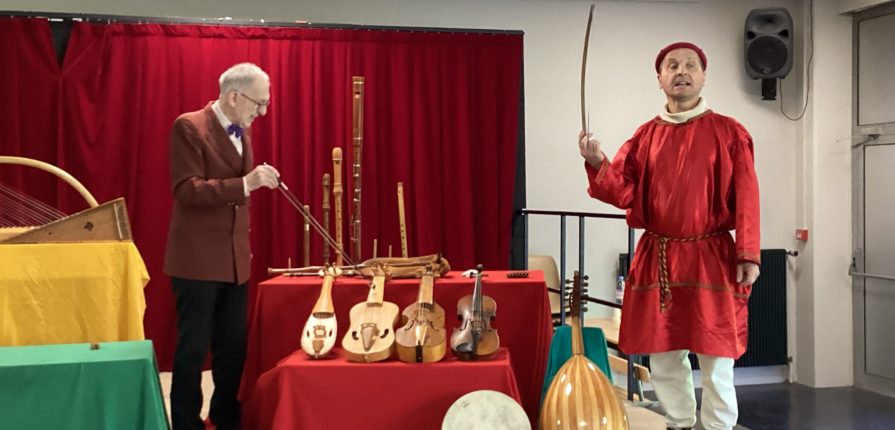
(672, 378)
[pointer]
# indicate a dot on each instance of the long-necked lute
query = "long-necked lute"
(319, 334)
(422, 338)
(580, 396)
(475, 339)
(371, 336)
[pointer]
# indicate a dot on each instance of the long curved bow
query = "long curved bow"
(590, 18)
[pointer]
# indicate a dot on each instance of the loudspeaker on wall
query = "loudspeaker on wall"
(768, 47)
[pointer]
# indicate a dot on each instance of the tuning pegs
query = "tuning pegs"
(584, 309)
(586, 277)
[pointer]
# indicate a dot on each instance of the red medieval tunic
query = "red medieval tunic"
(687, 185)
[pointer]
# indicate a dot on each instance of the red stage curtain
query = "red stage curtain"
(441, 115)
(29, 112)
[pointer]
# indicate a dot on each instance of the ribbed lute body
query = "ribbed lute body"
(580, 396)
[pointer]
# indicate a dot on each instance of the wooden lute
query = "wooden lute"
(319, 334)
(580, 396)
(371, 336)
(422, 338)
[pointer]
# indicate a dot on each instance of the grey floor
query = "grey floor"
(797, 407)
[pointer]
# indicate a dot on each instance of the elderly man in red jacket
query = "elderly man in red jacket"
(207, 255)
(687, 178)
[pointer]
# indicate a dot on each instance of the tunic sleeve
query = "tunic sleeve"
(614, 181)
(748, 223)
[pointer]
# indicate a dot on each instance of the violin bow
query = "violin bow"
(590, 18)
(314, 223)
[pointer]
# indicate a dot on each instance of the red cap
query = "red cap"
(679, 45)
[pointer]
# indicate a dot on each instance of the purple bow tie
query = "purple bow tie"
(235, 129)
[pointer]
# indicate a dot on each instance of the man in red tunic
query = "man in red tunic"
(687, 178)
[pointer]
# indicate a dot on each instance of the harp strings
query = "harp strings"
(21, 210)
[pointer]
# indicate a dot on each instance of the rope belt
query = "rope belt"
(664, 289)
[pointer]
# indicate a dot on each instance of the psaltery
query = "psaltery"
(24, 219)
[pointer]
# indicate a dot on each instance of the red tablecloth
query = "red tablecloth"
(523, 321)
(334, 394)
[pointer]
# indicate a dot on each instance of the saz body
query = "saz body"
(319, 334)
(580, 397)
(475, 339)
(371, 336)
(422, 338)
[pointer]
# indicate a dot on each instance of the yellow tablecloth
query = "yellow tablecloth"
(71, 293)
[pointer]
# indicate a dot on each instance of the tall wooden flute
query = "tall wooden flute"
(357, 96)
(307, 238)
(401, 220)
(337, 199)
(326, 215)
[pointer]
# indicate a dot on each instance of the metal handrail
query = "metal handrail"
(634, 386)
(525, 212)
(570, 213)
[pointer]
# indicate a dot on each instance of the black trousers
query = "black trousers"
(208, 313)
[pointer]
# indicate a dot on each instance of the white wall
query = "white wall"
(623, 93)
(824, 287)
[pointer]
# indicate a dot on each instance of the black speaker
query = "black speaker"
(768, 43)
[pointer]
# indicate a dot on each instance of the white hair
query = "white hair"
(240, 77)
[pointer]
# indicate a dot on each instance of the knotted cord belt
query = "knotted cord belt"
(664, 288)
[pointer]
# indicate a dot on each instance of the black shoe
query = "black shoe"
(674, 428)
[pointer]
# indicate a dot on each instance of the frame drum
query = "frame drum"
(485, 410)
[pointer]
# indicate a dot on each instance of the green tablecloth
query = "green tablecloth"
(56, 387)
(561, 350)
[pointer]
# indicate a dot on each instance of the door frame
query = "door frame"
(861, 138)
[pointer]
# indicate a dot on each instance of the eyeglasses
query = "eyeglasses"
(258, 105)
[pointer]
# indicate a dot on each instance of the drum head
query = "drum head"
(485, 410)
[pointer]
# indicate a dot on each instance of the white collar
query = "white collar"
(682, 117)
(216, 107)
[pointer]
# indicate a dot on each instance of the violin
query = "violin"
(475, 339)
(319, 334)
(371, 336)
(422, 338)
(580, 396)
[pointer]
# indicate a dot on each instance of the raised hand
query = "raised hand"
(590, 149)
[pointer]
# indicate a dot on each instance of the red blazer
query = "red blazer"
(208, 238)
